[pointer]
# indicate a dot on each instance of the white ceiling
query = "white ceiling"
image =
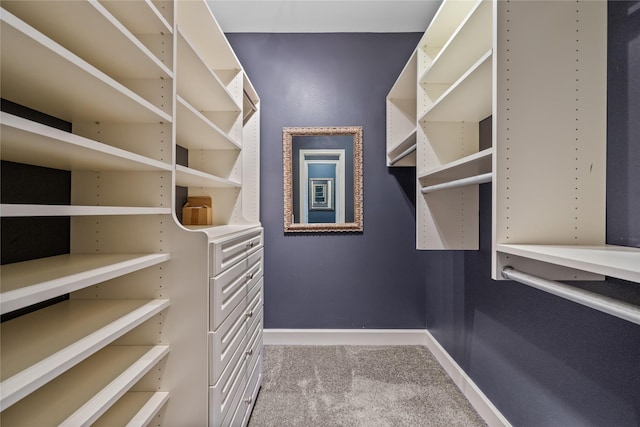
(321, 16)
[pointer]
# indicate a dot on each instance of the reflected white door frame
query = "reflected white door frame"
(307, 158)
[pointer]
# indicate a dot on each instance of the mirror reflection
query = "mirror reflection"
(322, 179)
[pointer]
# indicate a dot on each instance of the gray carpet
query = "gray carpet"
(367, 386)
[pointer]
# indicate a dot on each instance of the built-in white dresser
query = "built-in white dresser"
(235, 326)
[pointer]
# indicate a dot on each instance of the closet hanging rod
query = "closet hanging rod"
(478, 179)
(402, 155)
(614, 307)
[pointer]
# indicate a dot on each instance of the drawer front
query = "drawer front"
(226, 394)
(229, 288)
(255, 301)
(226, 252)
(251, 392)
(240, 417)
(226, 340)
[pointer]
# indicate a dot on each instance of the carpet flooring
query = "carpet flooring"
(359, 386)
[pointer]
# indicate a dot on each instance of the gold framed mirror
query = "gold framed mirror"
(322, 179)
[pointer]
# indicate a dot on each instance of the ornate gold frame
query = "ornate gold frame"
(289, 225)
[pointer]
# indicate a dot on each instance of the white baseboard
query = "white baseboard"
(344, 337)
(481, 403)
(422, 337)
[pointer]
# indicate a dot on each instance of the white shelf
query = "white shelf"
(196, 21)
(442, 26)
(18, 210)
(98, 382)
(471, 40)
(403, 149)
(195, 131)
(140, 17)
(250, 91)
(475, 164)
(469, 99)
(187, 177)
(29, 282)
(101, 401)
(405, 85)
(39, 346)
(405, 143)
(198, 84)
(401, 116)
(134, 409)
(24, 141)
(68, 86)
(90, 31)
(615, 261)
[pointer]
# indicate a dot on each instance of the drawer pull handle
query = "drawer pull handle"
(250, 352)
(250, 245)
(250, 276)
(248, 400)
(250, 313)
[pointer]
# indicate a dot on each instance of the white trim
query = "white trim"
(306, 156)
(344, 337)
(489, 413)
(480, 402)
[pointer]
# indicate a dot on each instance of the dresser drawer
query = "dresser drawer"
(229, 250)
(251, 392)
(229, 288)
(225, 396)
(224, 342)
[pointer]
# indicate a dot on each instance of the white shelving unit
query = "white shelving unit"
(546, 94)
(401, 117)
(453, 94)
(133, 80)
(553, 226)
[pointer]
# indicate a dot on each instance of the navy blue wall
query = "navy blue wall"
(542, 360)
(372, 279)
